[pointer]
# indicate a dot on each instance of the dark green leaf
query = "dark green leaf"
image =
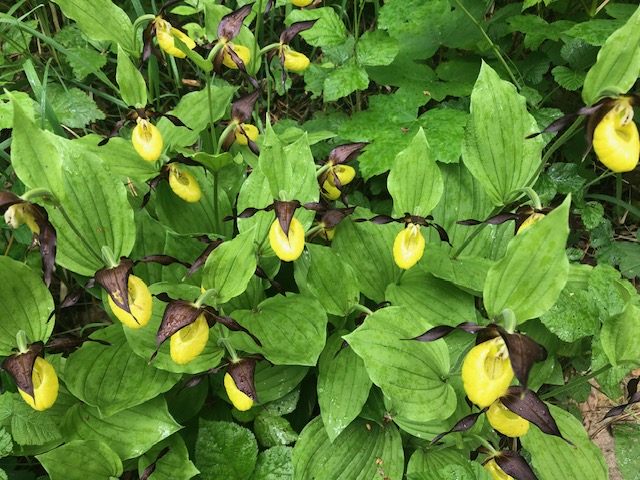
(174, 465)
(272, 430)
(274, 464)
(82, 460)
(329, 29)
(343, 80)
(618, 337)
(444, 128)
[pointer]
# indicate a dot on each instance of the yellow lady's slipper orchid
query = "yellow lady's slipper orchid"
(487, 372)
(616, 140)
(287, 248)
(530, 220)
(243, 52)
(301, 3)
(45, 386)
(345, 174)
(189, 342)
(147, 140)
(20, 213)
(496, 472)
(408, 246)
(239, 399)
(166, 36)
(140, 304)
(505, 421)
(184, 184)
(293, 60)
(251, 132)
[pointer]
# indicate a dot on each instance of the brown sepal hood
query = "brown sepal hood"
(294, 29)
(229, 26)
(47, 237)
(284, 213)
(243, 373)
(242, 109)
(181, 313)
(632, 394)
(409, 219)
(522, 213)
(116, 282)
(514, 465)
(327, 217)
(523, 350)
(342, 154)
(20, 366)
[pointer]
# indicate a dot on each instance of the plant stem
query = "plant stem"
(361, 308)
(575, 382)
(474, 234)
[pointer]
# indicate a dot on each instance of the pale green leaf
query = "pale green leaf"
(618, 338)
(82, 460)
(133, 88)
(375, 48)
(73, 107)
(329, 29)
(343, 80)
(174, 465)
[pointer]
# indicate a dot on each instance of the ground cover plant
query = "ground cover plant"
(300, 239)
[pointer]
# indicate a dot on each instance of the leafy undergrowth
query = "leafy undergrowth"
(340, 240)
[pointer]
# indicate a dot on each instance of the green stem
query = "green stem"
(313, 230)
(474, 234)
(323, 169)
(22, 341)
(206, 295)
(225, 133)
(216, 207)
(214, 51)
(361, 308)
(224, 340)
(531, 193)
(486, 444)
(108, 257)
(136, 25)
(618, 195)
(39, 192)
(606, 174)
(575, 382)
(271, 46)
(615, 201)
(509, 320)
(494, 47)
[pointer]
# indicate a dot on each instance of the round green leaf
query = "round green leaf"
(82, 460)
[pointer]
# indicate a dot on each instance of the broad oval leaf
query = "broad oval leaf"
(275, 381)
(408, 372)
(554, 458)
(113, 378)
(25, 304)
(82, 460)
(133, 88)
(618, 64)
(331, 280)
(495, 149)
(129, 432)
(343, 385)
(435, 300)
(619, 337)
(415, 182)
(291, 329)
(530, 277)
(174, 465)
(361, 452)
(230, 267)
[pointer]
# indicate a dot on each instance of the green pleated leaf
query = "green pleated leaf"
(195, 110)
(291, 329)
(25, 304)
(225, 450)
(553, 458)
(255, 193)
(82, 460)
(362, 452)
(203, 216)
(289, 168)
(95, 202)
(415, 182)
(274, 464)
(133, 88)
(276, 381)
(343, 385)
(437, 301)
(466, 272)
(408, 372)
(495, 149)
(101, 20)
(425, 461)
(33, 154)
(530, 277)
(618, 64)
(230, 267)
(272, 430)
(367, 248)
(174, 465)
(143, 340)
(113, 378)
(129, 432)
(331, 280)
(618, 337)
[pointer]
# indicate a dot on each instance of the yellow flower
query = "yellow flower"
(505, 421)
(487, 372)
(239, 399)
(140, 304)
(45, 386)
(293, 60)
(530, 220)
(189, 342)
(301, 3)
(20, 213)
(496, 472)
(287, 248)
(147, 140)
(166, 36)
(615, 139)
(408, 246)
(184, 184)
(345, 174)
(251, 131)
(243, 52)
